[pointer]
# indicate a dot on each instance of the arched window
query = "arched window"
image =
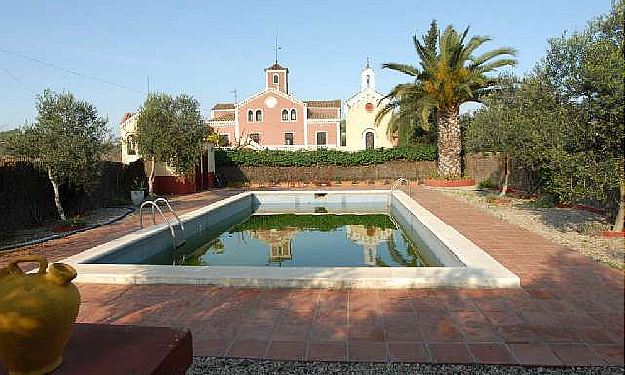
(259, 115)
(275, 79)
(293, 115)
(285, 115)
(368, 80)
(130, 146)
(250, 116)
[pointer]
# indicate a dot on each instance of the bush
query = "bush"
(279, 158)
(487, 184)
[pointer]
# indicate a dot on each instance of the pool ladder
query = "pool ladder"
(155, 207)
(399, 182)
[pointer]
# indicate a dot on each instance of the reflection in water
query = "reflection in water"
(307, 241)
(279, 241)
(369, 238)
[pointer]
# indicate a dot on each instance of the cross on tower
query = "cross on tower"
(276, 48)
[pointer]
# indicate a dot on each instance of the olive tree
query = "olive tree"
(170, 130)
(586, 68)
(67, 138)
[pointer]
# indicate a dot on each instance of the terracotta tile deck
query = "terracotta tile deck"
(569, 310)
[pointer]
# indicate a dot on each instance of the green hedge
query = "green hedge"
(302, 158)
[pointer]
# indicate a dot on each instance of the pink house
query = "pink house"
(275, 119)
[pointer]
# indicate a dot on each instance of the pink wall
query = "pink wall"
(329, 127)
(225, 130)
(272, 127)
(282, 80)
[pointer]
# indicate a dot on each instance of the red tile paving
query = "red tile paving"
(569, 310)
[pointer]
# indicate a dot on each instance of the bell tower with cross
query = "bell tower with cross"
(277, 76)
(367, 77)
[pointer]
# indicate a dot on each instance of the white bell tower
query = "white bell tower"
(367, 80)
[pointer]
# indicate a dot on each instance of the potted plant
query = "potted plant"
(137, 191)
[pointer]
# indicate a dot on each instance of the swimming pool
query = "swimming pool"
(425, 252)
(292, 240)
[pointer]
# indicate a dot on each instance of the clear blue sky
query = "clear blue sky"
(208, 48)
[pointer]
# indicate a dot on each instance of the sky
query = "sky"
(209, 48)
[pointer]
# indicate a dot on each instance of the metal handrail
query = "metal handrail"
(170, 209)
(173, 234)
(399, 182)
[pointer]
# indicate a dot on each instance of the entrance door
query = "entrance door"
(369, 141)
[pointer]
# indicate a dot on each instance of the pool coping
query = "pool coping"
(480, 271)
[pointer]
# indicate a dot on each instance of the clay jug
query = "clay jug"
(37, 313)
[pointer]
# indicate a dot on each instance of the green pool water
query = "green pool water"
(290, 240)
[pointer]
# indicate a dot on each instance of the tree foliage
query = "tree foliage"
(68, 139)
(565, 120)
(171, 130)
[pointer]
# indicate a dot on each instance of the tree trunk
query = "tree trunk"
(504, 186)
(449, 143)
(618, 223)
(151, 178)
(57, 195)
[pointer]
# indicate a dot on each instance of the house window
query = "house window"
(130, 146)
(368, 81)
(321, 138)
(259, 115)
(285, 115)
(288, 139)
(293, 115)
(255, 137)
(275, 79)
(250, 116)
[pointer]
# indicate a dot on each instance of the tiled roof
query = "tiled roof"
(127, 115)
(320, 116)
(323, 103)
(277, 66)
(224, 106)
(225, 117)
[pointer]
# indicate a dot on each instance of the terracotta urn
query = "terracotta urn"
(37, 313)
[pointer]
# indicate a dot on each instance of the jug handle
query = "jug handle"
(43, 263)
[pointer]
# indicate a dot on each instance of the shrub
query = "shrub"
(280, 158)
(487, 184)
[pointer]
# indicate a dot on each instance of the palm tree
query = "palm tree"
(446, 79)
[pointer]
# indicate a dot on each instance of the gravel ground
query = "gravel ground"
(576, 229)
(99, 216)
(211, 365)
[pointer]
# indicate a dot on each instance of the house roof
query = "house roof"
(224, 117)
(277, 66)
(323, 103)
(224, 106)
(312, 115)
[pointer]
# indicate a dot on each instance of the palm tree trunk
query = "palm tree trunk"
(449, 143)
(57, 195)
